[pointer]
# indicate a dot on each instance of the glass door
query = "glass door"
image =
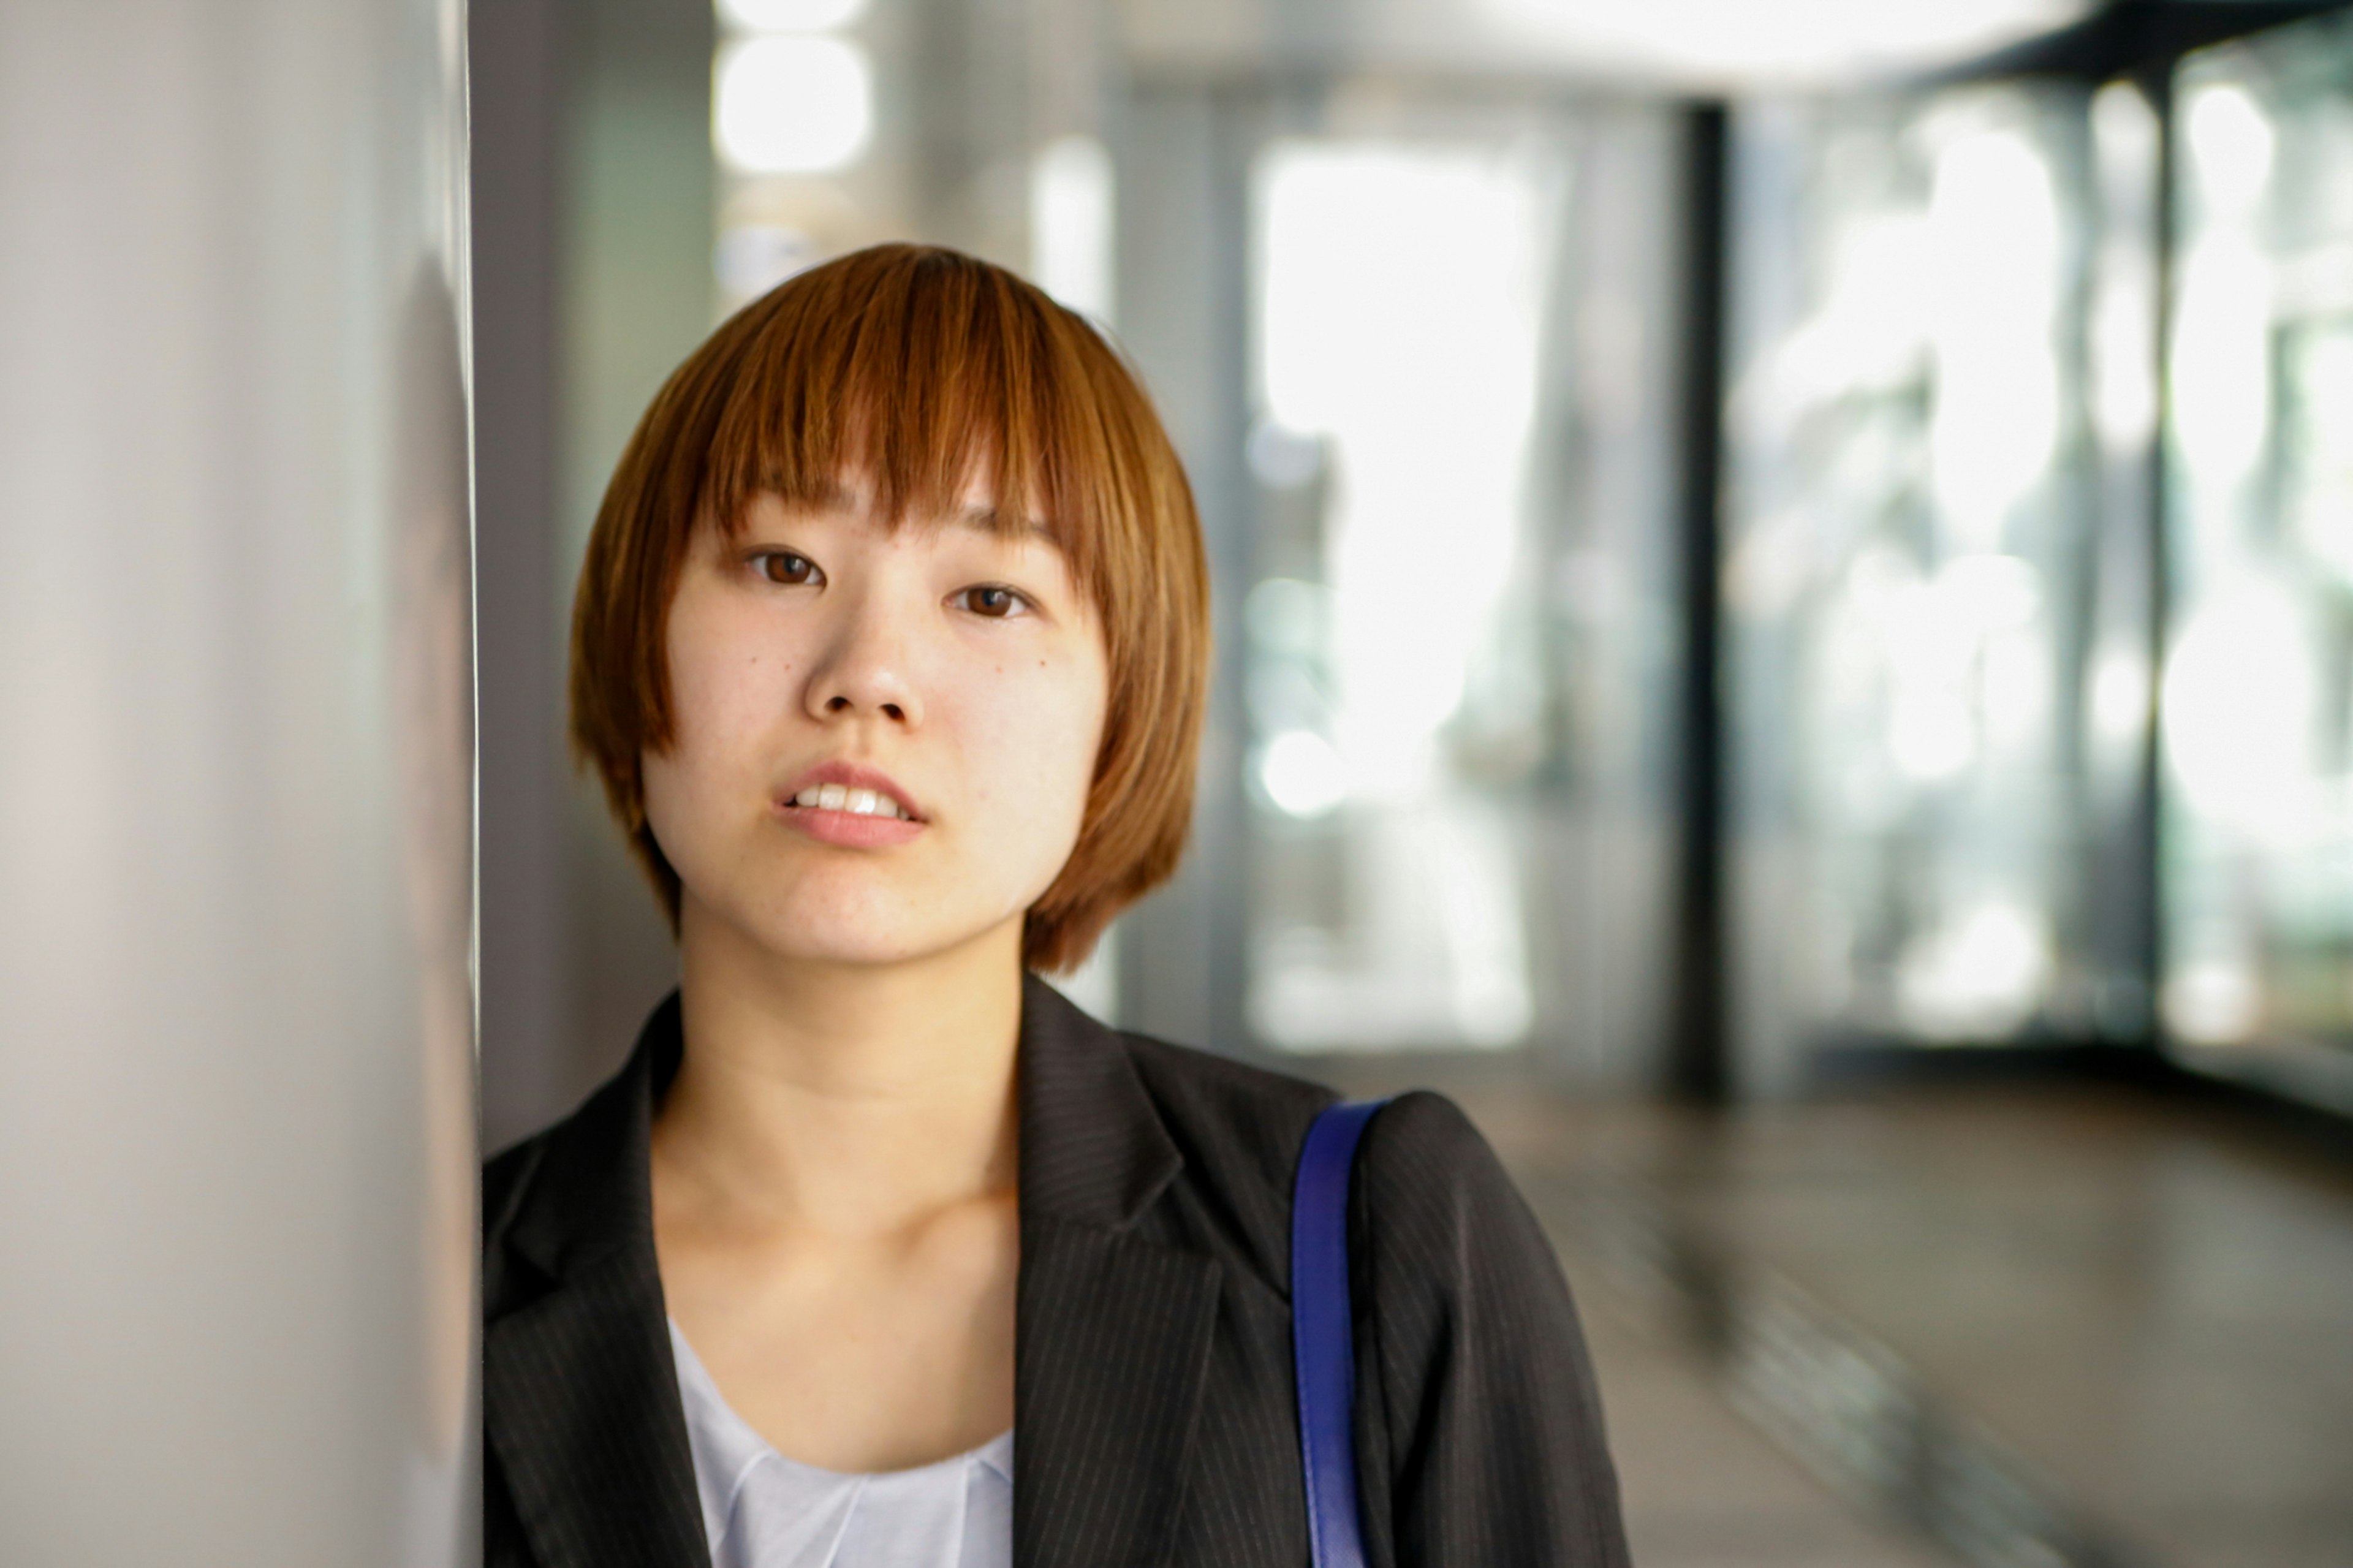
(1458, 631)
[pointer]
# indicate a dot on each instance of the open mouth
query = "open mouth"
(855, 801)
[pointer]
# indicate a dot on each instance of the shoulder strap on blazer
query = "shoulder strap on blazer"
(1323, 1337)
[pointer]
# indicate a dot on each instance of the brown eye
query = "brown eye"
(995, 603)
(784, 566)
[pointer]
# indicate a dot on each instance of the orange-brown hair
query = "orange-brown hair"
(920, 368)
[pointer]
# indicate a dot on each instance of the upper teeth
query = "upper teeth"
(857, 801)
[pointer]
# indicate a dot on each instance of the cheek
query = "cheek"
(1070, 748)
(727, 684)
(1035, 742)
(730, 673)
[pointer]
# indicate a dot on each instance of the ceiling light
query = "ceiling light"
(1743, 41)
(789, 15)
(791, 104)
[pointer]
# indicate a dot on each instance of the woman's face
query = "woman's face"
(882, 741)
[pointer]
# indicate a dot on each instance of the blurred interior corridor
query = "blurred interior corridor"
(1988, 1320)
(1783, 597)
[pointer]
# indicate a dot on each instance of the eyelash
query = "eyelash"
(1028, 606)
(759, 564)
(816, 575)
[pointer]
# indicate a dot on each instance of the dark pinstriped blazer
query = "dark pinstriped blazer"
(1156, 1422)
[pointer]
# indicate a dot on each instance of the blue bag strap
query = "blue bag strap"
(1322, 1333)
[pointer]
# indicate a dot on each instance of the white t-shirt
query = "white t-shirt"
(761, 1509)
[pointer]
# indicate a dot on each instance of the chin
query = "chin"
(876, 950)
(861, 929)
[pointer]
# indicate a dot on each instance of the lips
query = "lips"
(853, 806)
(857, 801)
(849, 777)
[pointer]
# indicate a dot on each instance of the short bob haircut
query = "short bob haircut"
(919, 369)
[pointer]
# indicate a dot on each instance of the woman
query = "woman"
(891, 651)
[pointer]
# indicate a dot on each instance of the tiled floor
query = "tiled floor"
(1703, 1487)
(2125, 1320)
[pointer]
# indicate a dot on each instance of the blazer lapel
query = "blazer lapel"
(1112, 1330)
(580, 1396)
(1112, 1338)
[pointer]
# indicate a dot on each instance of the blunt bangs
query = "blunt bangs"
(918, 377)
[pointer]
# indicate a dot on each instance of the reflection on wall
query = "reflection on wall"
(1402, 354)
(1909, 561)
(1073, 255)
(1428, 540)
(237, 1184)
(2257, 693)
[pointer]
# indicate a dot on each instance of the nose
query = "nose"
(866, 670)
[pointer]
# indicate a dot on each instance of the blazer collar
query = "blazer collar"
(1112, 1339)
(1093, 1150)
(594, 1187)
(1113, 1329)
(580, 1394)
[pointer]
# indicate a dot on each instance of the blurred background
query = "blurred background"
(1784, 613)
(1785, 634)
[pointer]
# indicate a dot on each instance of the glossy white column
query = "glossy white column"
(236, 1189)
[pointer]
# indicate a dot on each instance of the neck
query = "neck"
(847, 1099)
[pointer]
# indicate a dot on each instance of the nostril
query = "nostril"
(836, 704)
(894, 710)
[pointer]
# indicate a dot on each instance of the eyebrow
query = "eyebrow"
(988, 519)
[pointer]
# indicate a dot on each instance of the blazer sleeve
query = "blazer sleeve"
(1479, 1428)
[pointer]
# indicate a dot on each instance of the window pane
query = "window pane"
(1908, 570)
(1459, 655)
(2257, 696)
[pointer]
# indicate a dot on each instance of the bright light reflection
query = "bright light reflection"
(2213, 1001)
(2238, 707)
(1301, 774)
(2231, 144)
(1399, 323)
(2120, 696)
(789, 15)
(1824, 39)
(2123, 390)
(1993, 240)
(1426, 409)
(791, 104)
(2126, 127)
(1869, 332)
(1070, 236)
(1978, 978)
(2222, 375)
(2125, 134)
(1965, 655)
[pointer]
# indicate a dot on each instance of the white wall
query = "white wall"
(236, 1190)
